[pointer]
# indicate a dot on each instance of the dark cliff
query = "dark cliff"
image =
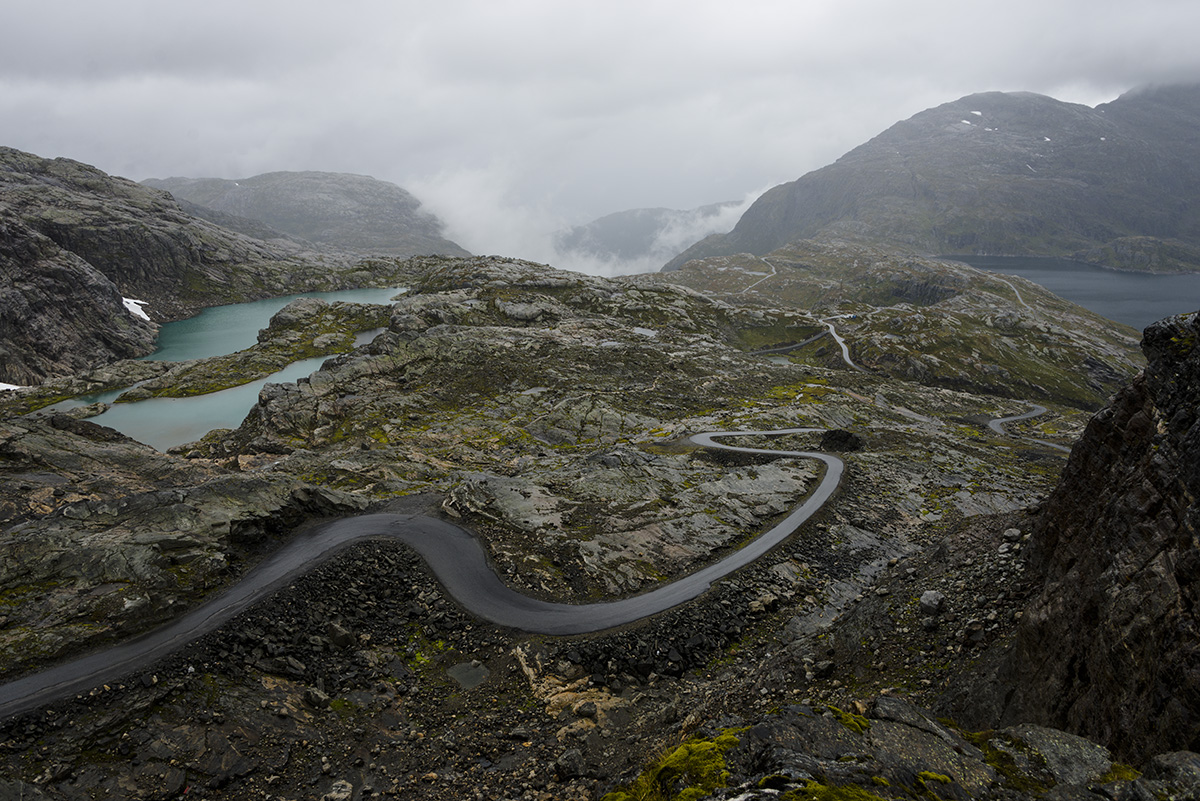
(1005, 173)
(58, 314)
(1110, 645)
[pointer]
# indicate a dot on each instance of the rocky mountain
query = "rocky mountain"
(1109, 645)
(353, 213)
(58, 314)
(1005, 174)
(550, 412)
(640, 234)
(75, 241)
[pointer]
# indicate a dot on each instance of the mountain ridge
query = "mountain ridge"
(642, 233)
(348, 212)
(1000, 173)
(75, 241)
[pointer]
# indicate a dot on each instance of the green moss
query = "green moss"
(15, 596)
(343, 707)
(775, 335)
(1004, 764)
(211, 688)
(855, 723)
(1119, 772)
(687, 773)
(808, 391)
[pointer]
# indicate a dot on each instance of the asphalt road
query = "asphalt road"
(457, 559)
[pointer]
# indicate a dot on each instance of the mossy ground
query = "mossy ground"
(688, 772)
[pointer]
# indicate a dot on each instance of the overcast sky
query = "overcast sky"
(512, 118)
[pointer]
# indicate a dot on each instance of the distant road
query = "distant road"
(997, 425)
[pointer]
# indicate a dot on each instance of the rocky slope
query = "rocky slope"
(1109, 645)
(353, 213)
(1005, 173)
(930, 321)
(548, 411)
(76, 240)
(58, 314)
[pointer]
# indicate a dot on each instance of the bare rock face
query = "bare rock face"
(1110, 648)
(58, 314)
(74, 240)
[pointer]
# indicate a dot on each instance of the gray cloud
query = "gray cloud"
(515, 118)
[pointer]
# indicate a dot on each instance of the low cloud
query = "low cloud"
(680, 233)
(539, 115)
(483, 215)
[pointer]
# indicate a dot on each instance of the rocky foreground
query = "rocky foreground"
(548, 411)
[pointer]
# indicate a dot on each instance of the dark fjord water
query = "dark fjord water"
(164, 422)
(1136, 299)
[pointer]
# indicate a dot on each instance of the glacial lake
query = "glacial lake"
(1136, 299)
(164, 422)
(218, 330)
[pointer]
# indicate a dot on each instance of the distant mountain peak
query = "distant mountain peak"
(1006, 173)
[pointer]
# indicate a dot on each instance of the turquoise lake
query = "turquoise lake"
(165, 422)
(1136, 299)
(226, 329)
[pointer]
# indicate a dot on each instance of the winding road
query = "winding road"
(458, 561)
(997, 425)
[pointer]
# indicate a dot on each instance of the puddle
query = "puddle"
(469, 674)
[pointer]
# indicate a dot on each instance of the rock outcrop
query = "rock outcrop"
(931, 321)
(58, 314)
(1110, 645)
(549, 412)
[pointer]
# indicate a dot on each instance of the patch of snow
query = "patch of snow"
(989, 129)
(1046, 138)
(134, 307)
(965, 122)
(1031, 169)
(977, 113)
(646, 332)
(1103, 139)
(5, 387)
